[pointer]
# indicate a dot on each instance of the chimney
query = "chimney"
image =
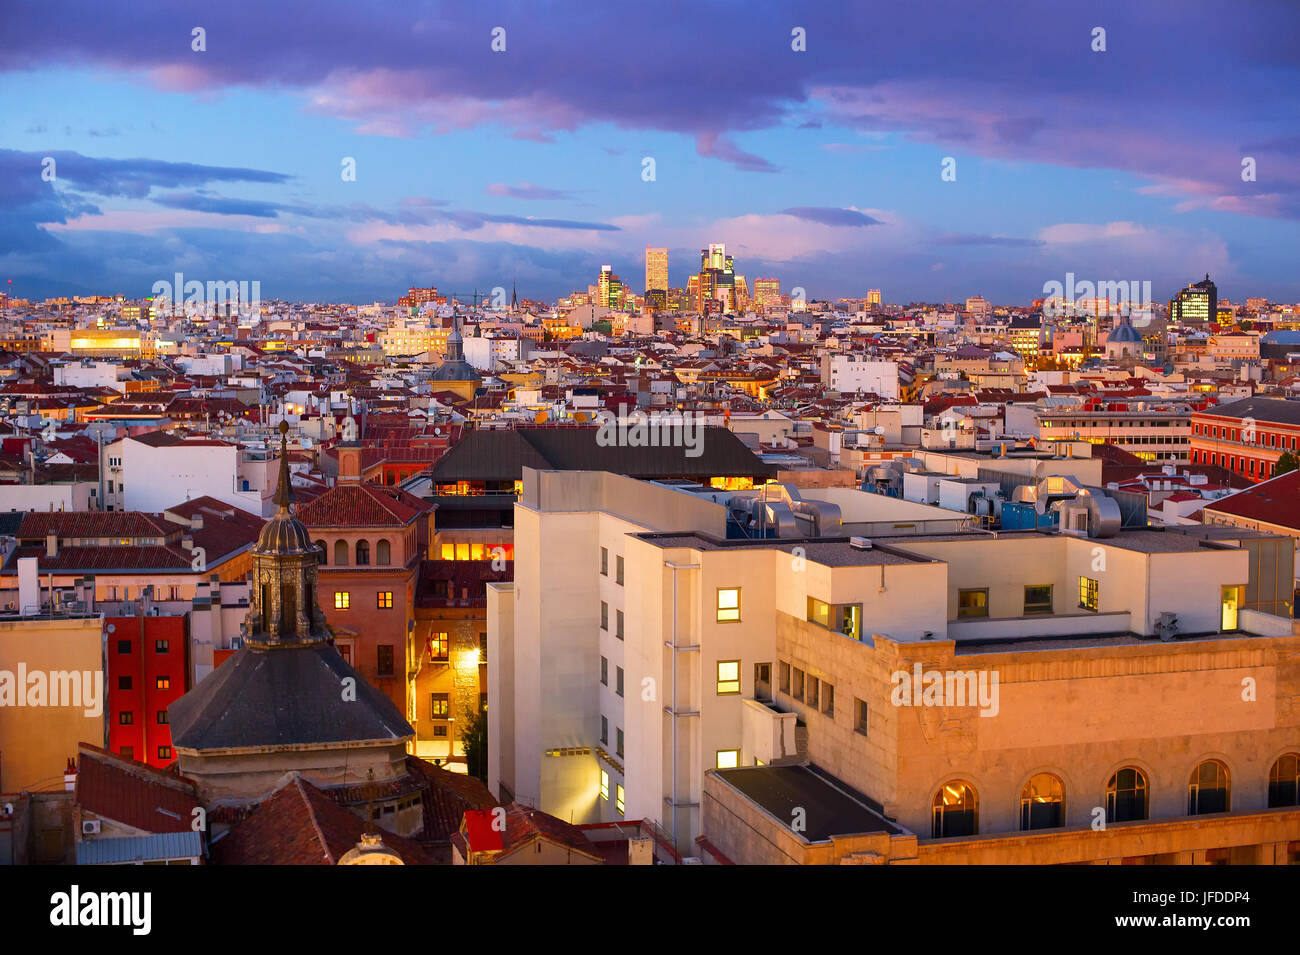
(349, 462)
(196, 522)
(51, 544)
(70, 775)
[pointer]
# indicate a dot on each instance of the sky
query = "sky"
(810, 138)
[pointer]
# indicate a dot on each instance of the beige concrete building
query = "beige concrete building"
(1077, 698)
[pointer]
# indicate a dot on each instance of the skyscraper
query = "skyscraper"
(1196, 304)
(656, 268)
(609, 289)
(767, 291)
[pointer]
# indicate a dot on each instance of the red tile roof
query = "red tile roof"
(1275, 501)
(133, 794)
(362, 505)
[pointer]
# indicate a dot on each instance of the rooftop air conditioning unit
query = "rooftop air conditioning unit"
(860, 543)
(90, 827)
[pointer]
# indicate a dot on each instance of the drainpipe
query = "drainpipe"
(676, 716)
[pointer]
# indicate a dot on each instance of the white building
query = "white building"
(849, 374)
(154, 471)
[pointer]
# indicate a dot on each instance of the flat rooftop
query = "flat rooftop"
(832, 807)
(830, 552)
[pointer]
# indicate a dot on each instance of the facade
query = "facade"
(656, 269)
(1198, 304)
(854, 373)
(1246, 436)
(625, 690)
(1155, 436)
(147, 671)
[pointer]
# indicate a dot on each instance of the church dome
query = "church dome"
(1125, 334)
(284, 534)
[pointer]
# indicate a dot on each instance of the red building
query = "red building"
(146, 673)
(1247, 436)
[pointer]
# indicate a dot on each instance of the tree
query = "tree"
(474, 739)
(1285, 462)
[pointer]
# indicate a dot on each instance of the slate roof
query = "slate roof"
(301, 825)
(1275, 410)
(501, 455)
(284, 696)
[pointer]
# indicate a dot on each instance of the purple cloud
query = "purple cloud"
(830, 216)
(525, 190)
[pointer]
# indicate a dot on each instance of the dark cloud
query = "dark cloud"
(829, 216)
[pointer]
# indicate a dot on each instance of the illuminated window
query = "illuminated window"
(728, 604)
(973, 603)
(125, 718)
(728, 758)
(476, 552)
(163, 682)
(1126, 795)
(955, 811)
(819, 612)
(1284, 782)
(384, 600)
(342, 599)
(1042, 803)
(1089, 596)
(618, 797)
(161, 646)
(728, 676)
(164, 752)
(448, 551)
(604, 785)
(438, 646)
(1038, 599)
(441, 706)
(462, 551)
(1208, 790)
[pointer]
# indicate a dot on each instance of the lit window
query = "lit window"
(438, 646)
(728, 676)
(441, 706)
(728, 604)
(973, 603)
(448, 551)
(955, 811)
(1042, 803)
(619, 803)
(604, 784)
(164, 752)
(476, 552)
(163, 682)
(125, 718)
(342, 599)
(462, 551)
(728, 758)
(384, 600)
(1089, 597)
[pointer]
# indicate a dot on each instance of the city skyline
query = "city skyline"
(479, 167)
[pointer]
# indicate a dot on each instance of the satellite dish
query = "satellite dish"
(306, 444)
(112, 628)
(437, 431)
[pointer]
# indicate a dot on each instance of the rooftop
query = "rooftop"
(831, 807)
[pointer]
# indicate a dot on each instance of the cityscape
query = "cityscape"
(470, 465)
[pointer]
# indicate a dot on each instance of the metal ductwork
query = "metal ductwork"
(780, 509)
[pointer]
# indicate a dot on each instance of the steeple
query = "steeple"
(284, 490)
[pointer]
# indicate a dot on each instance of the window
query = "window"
(124, 683)
(439, 645)
(619, 797)
(783, 677)
(385, 661)
(860, 716)
(441, 706)
(618, 742)
(383, 553)
(604, 615)
(728, 758)
(955, 811)
(124, 646)
(162, 717)
(384, 600)
(482, 648)
(1042, 803)
(618, 624)
(125, 718)
(1208, 789)
(618, 571)
(618, 680)
(604, 785)
(828, 699)
(342, 599)
(448, 551)
(161, 646)
(163, 683)
(440, 730)
(973, 603)
(604, 671)
(604, 562)
(1126, 795)
(797, 693)
(813, 695)
(363, 553)
(1284, 782)
(728, 676)
(728, 604)
(1231, 599)
(1038, 599)
(341, 553)
(819, 612)
(604, 729)
(1088, 594)
(164, 752)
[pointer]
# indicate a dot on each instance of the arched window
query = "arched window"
(1126, 795)
(1208, 789)
(363, 553)
(341, 553)
(1042, 803)
(1284, 782)
(383, 553)
(955, 811)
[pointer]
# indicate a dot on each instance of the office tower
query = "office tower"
(1197, 304)
(767, 291)
(656, 268)
(609, 289)
(716, 283)
(873, 297)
